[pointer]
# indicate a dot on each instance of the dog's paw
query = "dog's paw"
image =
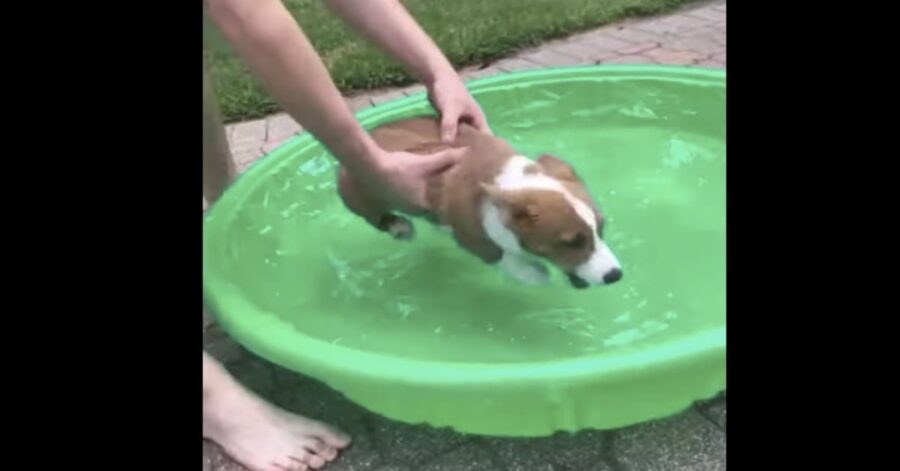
(398, 227)
(534, 274)
(524, 271)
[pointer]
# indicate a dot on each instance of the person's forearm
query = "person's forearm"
(389, 25)
(268, 39)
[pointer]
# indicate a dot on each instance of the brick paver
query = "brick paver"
(694, 440)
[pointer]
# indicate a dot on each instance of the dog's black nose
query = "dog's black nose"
(612, 276)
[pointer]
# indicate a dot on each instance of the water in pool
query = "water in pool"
(655, 165)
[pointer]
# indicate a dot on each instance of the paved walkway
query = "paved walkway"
(694, 440)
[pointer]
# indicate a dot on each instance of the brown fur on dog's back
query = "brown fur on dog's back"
(455, 195)
(418, 135)
(484, 158)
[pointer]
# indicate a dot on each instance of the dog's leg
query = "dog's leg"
(523, 270)
(398, 227)
(481, 247)
(364, 205)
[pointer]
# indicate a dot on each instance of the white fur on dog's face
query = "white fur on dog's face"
(602, 263)
(595, 267)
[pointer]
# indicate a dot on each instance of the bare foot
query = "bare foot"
(263, 437)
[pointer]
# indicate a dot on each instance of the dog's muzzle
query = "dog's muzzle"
(609, 278)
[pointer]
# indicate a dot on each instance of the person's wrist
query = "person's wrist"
(368, 159)
(440, 73)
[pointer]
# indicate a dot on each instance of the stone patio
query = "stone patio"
(693, 440)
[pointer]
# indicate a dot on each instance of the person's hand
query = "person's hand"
(453, 102)
(400, 178)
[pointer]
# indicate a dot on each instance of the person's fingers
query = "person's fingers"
(480, 122)
(449, 124)
(442, 160)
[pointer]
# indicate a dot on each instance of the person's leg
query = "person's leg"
(218, 165)
(258, 435)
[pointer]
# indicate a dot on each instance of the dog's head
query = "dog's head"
(546, 206)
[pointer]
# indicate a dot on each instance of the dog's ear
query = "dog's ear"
(557, 168)
(516, 208)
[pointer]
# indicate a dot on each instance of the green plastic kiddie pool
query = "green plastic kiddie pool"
(423, 332)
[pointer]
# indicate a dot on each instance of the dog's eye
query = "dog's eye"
(576, 242)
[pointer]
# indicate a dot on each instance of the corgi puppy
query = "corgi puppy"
(510, 211)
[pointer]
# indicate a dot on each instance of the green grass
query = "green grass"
(468, 31)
